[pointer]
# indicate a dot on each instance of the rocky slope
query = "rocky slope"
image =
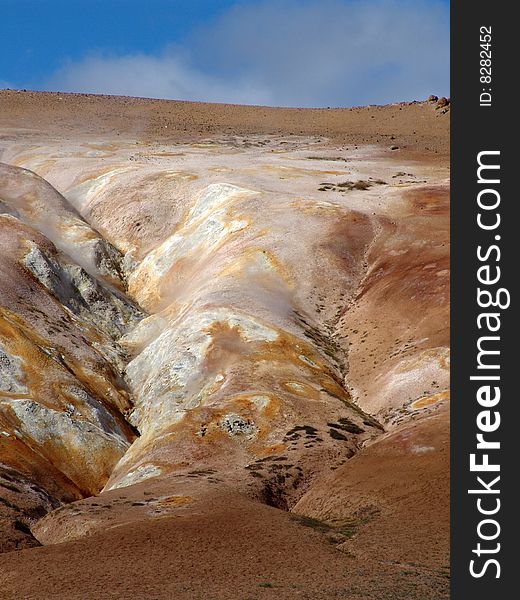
(199, 321)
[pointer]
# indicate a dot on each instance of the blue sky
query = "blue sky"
(276, 52)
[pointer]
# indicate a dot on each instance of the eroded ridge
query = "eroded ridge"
(62, 393)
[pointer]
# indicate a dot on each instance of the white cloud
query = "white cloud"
(289, 53)
(166, 76)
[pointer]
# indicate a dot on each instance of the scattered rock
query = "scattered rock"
(236, 425)
(346, 186)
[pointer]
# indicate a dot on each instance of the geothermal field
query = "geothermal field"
(224, 350)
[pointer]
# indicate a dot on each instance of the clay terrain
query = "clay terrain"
(224, 350)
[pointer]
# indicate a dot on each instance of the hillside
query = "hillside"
(224, 350)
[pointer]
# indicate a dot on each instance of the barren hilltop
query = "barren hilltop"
(224, 350)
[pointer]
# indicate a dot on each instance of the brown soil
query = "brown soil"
(417, 127)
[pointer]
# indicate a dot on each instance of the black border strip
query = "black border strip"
(474, 129)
